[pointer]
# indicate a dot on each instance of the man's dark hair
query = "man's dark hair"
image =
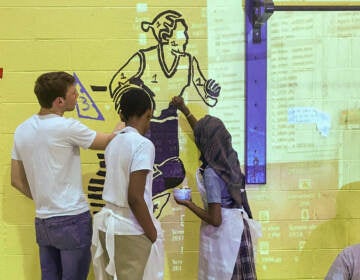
(134, 102)
(52, 85)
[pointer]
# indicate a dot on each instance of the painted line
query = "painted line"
(98, 88)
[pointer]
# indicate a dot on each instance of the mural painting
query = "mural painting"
(163, 70)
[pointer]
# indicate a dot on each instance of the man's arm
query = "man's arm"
(103, 139)
(18, 178)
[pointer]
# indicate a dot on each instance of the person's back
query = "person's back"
(119, 162)
(48, 146)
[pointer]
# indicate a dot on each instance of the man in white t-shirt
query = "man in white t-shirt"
(45, 167)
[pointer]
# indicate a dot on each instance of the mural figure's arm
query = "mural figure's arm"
(123, 77)
(18, 178)
(208, 89)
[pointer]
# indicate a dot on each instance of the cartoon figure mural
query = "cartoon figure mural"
(163, 70)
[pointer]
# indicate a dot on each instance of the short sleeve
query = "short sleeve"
(143, 158)
(212, 184)
(80, 135)
(14, 153)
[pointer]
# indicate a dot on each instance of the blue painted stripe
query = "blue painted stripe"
(255, 102)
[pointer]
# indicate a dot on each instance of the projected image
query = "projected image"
(313, 123)
(309, 200)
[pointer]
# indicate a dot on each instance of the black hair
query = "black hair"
(134, 102)
(52, 85)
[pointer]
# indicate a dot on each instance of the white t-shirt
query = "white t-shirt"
(48, 146)
(129, 151)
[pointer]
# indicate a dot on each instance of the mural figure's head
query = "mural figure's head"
(56, 88)
(136, 105)
(169, 28)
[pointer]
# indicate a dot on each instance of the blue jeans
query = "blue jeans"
(64, 243)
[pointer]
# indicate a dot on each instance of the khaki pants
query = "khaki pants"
(131, 255)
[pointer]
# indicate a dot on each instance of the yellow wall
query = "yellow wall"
(309, 206)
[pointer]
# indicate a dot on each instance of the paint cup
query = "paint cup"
(182, 193)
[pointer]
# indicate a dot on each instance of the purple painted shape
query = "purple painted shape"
(88, 109)
(169, 170)
(255, 98)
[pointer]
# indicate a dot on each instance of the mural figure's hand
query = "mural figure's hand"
(212, 88)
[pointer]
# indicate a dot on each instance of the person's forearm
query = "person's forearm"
(23, 187)
(203, 214)
(101, 140)
(189, 116)
(178, 101)
(19, 179)
(142, 215)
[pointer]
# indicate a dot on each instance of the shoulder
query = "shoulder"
(143, 146)
(352, 251)
(213, 179)
(29, 120)
(71, 121)
(146, 143)
(74, 124)
(135, 140)
(208, 171)
(25, 124)
(148, 50)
